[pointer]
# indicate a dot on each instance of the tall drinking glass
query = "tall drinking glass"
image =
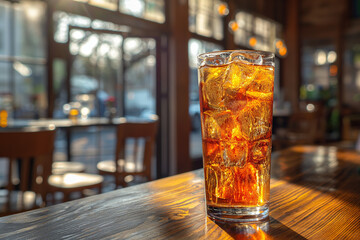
(236, 101)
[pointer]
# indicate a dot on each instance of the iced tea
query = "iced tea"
(236, 99)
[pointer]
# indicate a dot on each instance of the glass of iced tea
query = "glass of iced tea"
(236, 100)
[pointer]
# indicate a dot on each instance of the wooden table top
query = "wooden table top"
(315, 194)
(65, 123)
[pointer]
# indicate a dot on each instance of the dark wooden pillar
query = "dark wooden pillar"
(179, 87)
(340, 48)
(228, 36)
(291, 64)
(50, 57)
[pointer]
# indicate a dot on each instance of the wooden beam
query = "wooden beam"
(291, 64)
(228, 36)
(340, 49)
(179, 87)
(311, 32)
(322, 12)
(353, 27)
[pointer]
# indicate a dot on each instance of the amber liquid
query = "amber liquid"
(236, 102)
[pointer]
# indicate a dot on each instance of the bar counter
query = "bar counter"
(315, 194)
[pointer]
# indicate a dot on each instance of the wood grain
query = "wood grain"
(314, 195)
(318, 187)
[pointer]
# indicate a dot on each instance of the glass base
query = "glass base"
(238, 214)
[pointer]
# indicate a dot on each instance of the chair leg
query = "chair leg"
(119, 182)
(53, 198)
(66, 197)
(122, 181)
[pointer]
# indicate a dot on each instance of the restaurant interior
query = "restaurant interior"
(99, 74)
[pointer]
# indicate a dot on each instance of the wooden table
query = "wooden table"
(67, 125)
(315, 194)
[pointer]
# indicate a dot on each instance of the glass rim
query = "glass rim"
(252, 57)
(215, 53)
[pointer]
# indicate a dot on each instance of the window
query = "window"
(153, 10)
(140, 76)
(319, 84)
(22, 59)
(256, 32)
(63, 21)
(96, 68)
(29, 28)
(107, 4)
(5, 9)
(204, 18)
(319, 79)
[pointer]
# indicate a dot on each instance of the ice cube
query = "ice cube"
(246, 185)
(260, 151)
(246, 57)
(212, 152)
(235, 101)
(235, 153)
(260, 95)
(255, 120)
(212, 182)
(262, 85)
(212, 89)
(210, 129)
(239, 77)
(226, 180)
(229, 127)
(218, 182)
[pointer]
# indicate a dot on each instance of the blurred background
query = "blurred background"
(135, 58)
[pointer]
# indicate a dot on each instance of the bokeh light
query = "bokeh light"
(223, 9)
(233, 26)
(283, 51)
(252, 41)
(333, 70)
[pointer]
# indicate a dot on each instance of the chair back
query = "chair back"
(135, 143)
(34, 149)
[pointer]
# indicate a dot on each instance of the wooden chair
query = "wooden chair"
(33, 150)
(74, 182)
(138, 137)
(62, 167)
(70, 177)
